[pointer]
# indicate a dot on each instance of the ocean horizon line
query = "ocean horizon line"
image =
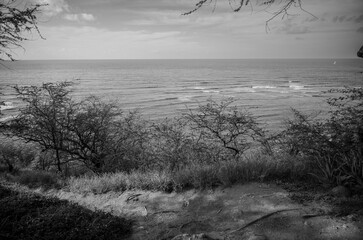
(181, 59)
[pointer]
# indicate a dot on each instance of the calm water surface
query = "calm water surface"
(165, 88)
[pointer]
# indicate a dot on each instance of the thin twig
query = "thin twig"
(263, 217)
(133, 196)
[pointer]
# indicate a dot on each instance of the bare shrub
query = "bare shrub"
(173, 145)
(129, 151)
(220, 123)
(41, 121)
(90, 131)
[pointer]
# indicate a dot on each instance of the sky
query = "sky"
(156, 29)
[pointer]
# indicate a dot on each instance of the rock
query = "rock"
(201, 236)
(341, 191)
(256, 237)
(250, 235)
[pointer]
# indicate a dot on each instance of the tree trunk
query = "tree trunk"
(360, 143)
(58, 160)
(8, 162)
(10, 167)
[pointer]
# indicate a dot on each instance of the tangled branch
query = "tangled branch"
(283, 11)
(14, 22)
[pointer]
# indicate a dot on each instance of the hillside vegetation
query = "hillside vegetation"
(92, 145)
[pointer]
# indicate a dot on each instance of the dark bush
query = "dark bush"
(335, 143)
(34, 179)
(15, 154)
(28, 216)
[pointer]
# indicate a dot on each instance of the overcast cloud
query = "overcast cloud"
(129, 29)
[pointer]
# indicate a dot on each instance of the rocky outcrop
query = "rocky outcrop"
(360, 52)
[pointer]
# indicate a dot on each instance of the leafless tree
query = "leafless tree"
(235, 129)
(16, 18)
(48, 109)
(236, 5)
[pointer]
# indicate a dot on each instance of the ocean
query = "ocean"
(268, 88)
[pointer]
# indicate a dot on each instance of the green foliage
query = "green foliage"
(346, 169)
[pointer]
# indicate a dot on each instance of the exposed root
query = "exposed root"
(263, 217)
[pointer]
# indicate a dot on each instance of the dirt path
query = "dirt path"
(251, 211)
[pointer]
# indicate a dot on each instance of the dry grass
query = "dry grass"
(153, 180)
(198, 176)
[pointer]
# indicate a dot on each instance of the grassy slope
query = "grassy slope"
(27, 216)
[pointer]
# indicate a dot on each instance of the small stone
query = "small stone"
(351, 217)
(254, 236)
(185, 203)
(201, 236)
(215, 236)
(257, 237)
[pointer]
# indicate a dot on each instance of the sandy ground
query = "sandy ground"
(251, 211)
